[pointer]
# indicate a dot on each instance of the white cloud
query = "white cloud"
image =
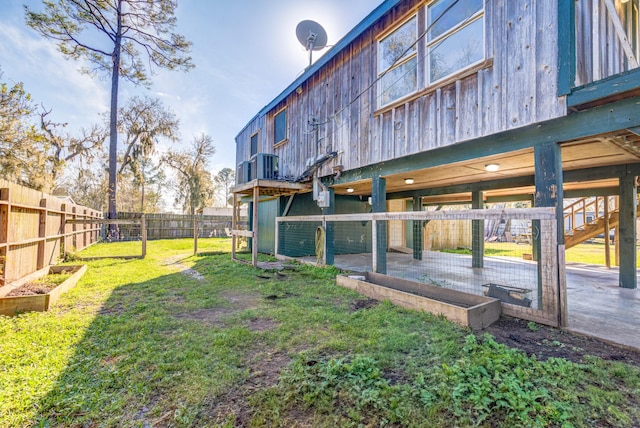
(51, 80)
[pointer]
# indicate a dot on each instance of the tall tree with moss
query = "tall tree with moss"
(194, 184)
(33, 150)
(225, 179)
(123, 38)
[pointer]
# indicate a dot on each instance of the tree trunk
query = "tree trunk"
(113, 124)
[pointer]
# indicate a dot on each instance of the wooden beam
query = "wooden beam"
(607, 118)
(614, 85)
(506, 183)
(627, 231)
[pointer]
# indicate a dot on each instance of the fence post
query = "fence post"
(42, 233)
(143, 232)
(62, 231)
(4, 233)
(195, 234)
(74, 228)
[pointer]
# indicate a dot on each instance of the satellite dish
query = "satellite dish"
(312, 36)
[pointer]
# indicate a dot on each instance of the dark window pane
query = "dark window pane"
(280, 125)
(254, 144)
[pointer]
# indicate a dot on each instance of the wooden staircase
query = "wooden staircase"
(587, 218)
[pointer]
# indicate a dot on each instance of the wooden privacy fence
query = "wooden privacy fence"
(173, 226)
(37, 228)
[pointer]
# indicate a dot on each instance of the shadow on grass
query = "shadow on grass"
(156, 350)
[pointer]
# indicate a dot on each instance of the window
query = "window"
(455, 36)
(280, 127)
(397, 63)
(254, 144)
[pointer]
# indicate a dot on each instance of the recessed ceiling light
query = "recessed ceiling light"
(408, 180)
(350, 189)
(492, 167)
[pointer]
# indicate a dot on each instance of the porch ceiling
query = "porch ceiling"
(597, 151)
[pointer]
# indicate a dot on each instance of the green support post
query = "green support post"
(379, 205)
(549, 193)
(250, 225)
(627, 231)
(417, 231)
(330, 229)
(477, 232)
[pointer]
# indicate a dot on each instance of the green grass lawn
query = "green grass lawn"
(177, 340)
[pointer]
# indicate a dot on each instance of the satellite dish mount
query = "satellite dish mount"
(312, 36)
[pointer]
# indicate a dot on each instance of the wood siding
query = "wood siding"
(515, 86)
(599, 52)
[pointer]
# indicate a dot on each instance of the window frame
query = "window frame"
(285, 138)
(255, 135)
(398, 63)
(442, 37)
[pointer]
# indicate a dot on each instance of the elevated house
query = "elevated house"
(441, 101)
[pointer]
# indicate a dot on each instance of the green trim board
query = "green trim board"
(627, 231)
(566, 46)
(379, 204)
(477, 232)
(606, 118)
(614, 85)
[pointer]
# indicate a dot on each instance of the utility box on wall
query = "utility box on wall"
(264, 166)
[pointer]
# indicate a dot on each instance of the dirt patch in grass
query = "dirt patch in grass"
(114, 309)
(234, 404)
(363, 304)
(182, 268)
(239, 300)
(546, 342)
(210, 316)
(262, 324)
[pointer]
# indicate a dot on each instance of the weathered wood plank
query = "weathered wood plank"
(465, 309)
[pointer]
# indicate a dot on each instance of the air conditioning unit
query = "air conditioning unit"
(243, 174)
(264, 166)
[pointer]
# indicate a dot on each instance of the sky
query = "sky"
(245, 53)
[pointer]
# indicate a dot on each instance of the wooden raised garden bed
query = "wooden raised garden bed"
(470, 310)
(31, 294)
